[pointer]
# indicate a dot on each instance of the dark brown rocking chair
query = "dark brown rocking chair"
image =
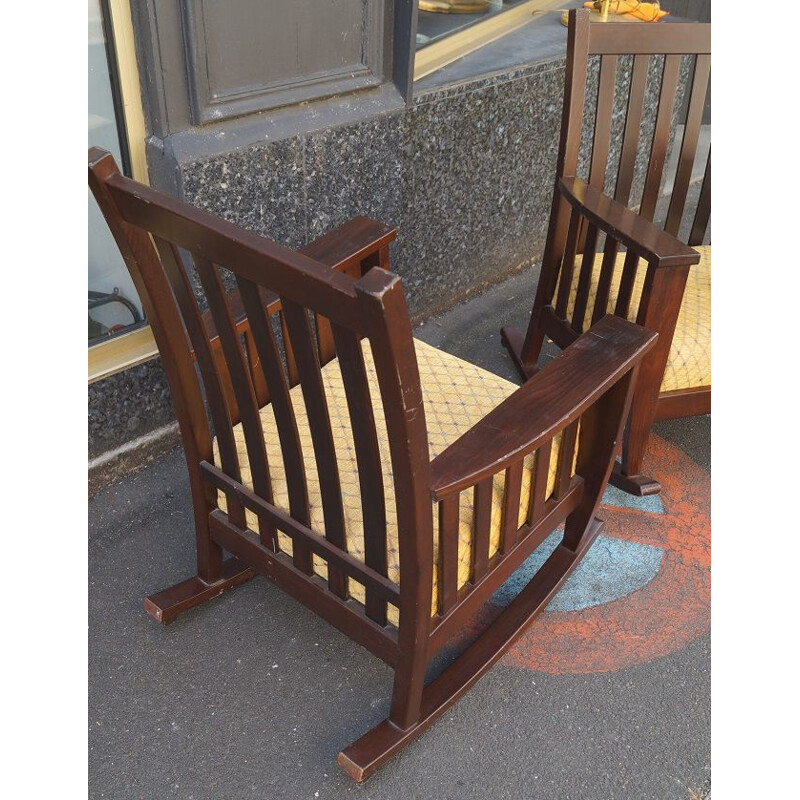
(675, 377)
(325, 413)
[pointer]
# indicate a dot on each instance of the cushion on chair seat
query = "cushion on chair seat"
(456, 395)
(689, 361)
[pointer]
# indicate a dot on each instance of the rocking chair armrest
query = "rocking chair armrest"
(543, 406)
(341, 249)
(636, 232)
(350, 243)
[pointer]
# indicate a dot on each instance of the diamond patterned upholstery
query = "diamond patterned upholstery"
(689, 361)
(456, 394)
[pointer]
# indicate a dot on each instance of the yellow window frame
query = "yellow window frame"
(451, 48)
(137, 346)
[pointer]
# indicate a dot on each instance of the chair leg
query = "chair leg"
(627, 474)
(386, 739)
(601, 430)
(513, 340)
(214, 576)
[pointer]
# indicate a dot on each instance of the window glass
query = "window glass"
(113, 303)
(440, 18)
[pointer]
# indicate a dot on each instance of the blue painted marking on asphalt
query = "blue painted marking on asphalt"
(612, 568)
(616, 497)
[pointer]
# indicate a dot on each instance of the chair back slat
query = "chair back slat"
(585, 277)
(481, 527)
(302, 342)
(602, 126)
(604, 281)
(688, 151)
(256, 372)
(568, 264)
(447, 564)
(326, 348)
(218, 406)
(242, 386)
(633, 127)
(291, 362)
(566, 459)
(703, 213)
(272, 369)
(626, 284)
(541, 475)
(511, 506)
(368, 458)
(661, 135)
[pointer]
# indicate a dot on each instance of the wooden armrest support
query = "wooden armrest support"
(340, 249)
(543, 406)
(634, 231)
(350, 243)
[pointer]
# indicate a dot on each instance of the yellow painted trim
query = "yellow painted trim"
(138, 346)
(125, 46)
(440, 54)
(121, 352)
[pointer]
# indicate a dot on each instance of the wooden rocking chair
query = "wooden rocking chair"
(325, 413)
(675, 378)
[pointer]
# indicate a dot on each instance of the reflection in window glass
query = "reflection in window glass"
(440, 18)
(113, 303)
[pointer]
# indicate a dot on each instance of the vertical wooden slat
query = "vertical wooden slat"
(691, 134)
(242, 388)
(291, 363)
(602, 125)
(270, 362)
(319, 422)
(626, 284)
(658, 151)
(633, 124)
(541, 474)
(482, 520)
(256, 372)
(448, 553)
(325, 345)
(368, 459)
(703, 213)
(585, 278)
(604, 281)
(565, 459)
(568, 265)
(220, 413)
(511, 502)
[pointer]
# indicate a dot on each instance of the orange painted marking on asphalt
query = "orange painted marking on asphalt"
(668, 613)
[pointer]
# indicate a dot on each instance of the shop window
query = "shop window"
(450, 29)
(118, 335)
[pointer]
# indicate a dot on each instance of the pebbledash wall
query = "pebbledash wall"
(462, 163)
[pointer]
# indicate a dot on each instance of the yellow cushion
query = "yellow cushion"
(689, 361)
(456, 394)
